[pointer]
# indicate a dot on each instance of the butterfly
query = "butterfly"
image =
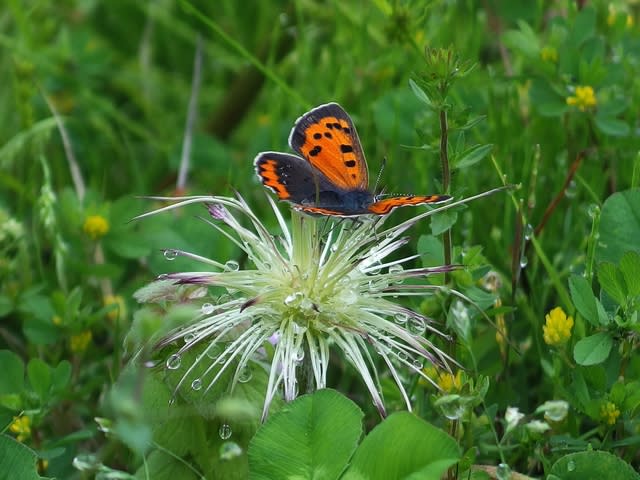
(330, 175)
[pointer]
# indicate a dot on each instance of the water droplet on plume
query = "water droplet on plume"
(196, 384)
(232, 266)
(174, 361)
(207, 308)
(246, 374)
(503, 472)
(170, 254)
(225, 431)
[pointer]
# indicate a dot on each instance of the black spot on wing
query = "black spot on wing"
(346, 148)
(315, 150)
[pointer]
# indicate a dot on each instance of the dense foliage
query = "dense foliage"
(105, 102)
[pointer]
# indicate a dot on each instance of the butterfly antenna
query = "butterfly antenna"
(384, 164)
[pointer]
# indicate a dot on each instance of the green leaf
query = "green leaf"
(12, 378)
(593, 350)
(39, 374)
(404, 447)
(583, 298)
(630, 269)
(127, 245)
(61, 376)
(6, 305)
(472, 155)
(525, 40)
(546, 100)
(592, 465)
(419, 93)
(584, 26)
(312, 437)
(17, 460)
(619, 226)
(612, 282)
(160, 466)
(430, 250)
(443, 221)
(612, 126)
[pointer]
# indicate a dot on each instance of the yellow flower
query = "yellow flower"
(21, 426)
(447, 382)
(117, 312)
(584, 98)
(557, 328)
(609, 412)
(613, 16)
(450, 383)
(79, 343)
(95, 226)
(549, 54)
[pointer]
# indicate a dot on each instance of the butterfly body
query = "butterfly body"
(330, 177)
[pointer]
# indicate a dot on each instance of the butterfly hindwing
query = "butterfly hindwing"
(327, 139)
(386, 205)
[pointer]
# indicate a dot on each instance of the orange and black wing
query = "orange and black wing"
(327, 139)
(386, 205)
(290, 177)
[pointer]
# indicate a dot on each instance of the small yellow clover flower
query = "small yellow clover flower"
(119, 309)
(79, 343)
(557, 328)
(549, 54)
(584, 98)
(21, 426)
(95, 226)
(609, 413)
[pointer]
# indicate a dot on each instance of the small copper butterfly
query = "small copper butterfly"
(332, 177)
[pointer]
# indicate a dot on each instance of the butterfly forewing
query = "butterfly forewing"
(327, 139)
(290, 177)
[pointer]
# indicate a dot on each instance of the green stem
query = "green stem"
(446, 182)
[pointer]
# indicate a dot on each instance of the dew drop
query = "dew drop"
(396, 269)
(593, 211)
(225, 431)
(299, 355)
(374, 270)
(334, 248)
(401, 318)
(571, 465)
(174, 361)
(213, 352)
(417, 364)
(528, 231)
(196, 384)
(503, 472)
(348, 297)
(189, 337)
(207, 308)
(524, 261)
(293, 298)
(230, 450)
(150, 363)
(170, 254)
(246, 374)
(232, 266)
(417, 326)
(572, 190)
(402, 355)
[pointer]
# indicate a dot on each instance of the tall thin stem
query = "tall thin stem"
(446, 181)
